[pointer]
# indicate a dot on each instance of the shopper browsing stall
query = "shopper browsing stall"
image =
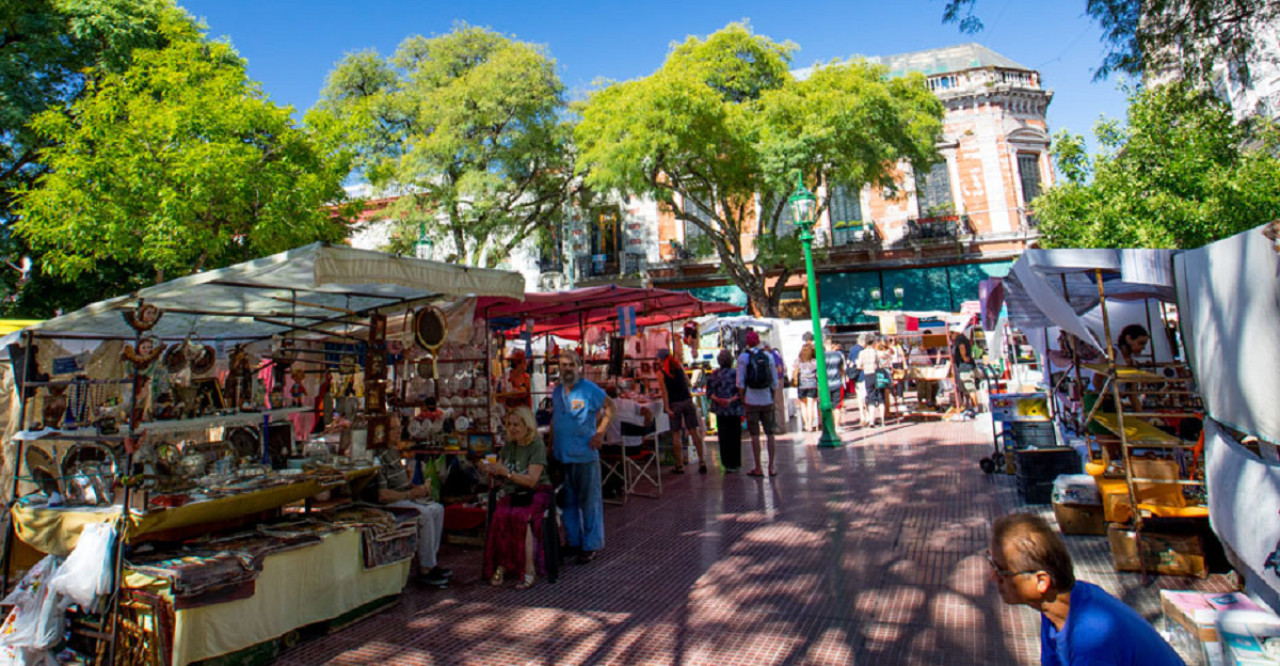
(835, 361)
(581, 414)
(726, 402)
(872, 396)
(678, 398)
(757, 381)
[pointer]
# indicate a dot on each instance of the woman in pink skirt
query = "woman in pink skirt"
(515, 535)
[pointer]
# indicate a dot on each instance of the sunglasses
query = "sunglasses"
(1005, 573)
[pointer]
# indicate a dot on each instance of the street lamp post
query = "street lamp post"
(803, 207)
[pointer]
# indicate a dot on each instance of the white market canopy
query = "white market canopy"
(251, 300)
(1053, 288)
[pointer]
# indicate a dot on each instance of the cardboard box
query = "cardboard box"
(1198, 611)
(1080, 518)
(1164, 553)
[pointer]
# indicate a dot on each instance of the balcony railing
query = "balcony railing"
(854, 234)
(942, 227)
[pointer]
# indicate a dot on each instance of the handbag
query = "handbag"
(883, 379)
(522, 498)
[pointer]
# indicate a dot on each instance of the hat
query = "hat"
(753, 338)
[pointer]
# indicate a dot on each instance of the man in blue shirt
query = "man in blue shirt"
(1079, 622)
(580, 417)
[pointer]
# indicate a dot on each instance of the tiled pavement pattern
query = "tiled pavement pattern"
(868, 554)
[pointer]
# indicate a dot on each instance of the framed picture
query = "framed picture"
(480, 444)
(452, 442)
(375, 397)
(378, 432)
(208, 395)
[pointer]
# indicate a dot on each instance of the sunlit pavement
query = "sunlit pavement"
(868, 554)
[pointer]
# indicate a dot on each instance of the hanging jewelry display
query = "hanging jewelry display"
(78, 402)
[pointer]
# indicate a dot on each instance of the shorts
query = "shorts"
(757, 414)
(684, 416)
(807, 392)
(967, 385)
(874, 396)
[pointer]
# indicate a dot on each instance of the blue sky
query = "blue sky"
(291, 45)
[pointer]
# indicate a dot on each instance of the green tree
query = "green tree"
(1154, 35)
(50, 50)
(175, 165)
(467, 128)
(724, 126)
(1181, 173)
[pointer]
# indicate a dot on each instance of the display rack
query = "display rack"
(1173, 391)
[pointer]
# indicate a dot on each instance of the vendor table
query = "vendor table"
(295, 588)
(57, 531)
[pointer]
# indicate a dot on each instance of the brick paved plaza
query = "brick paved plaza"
(869, 554)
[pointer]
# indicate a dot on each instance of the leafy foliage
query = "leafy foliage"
(467, 126)
(723, 126)
(1155, 35)
(50, 50)
(1181, 174)
(174, 165)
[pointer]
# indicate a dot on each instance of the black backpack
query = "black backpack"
(757, 376)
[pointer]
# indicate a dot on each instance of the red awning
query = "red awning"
(566, 313)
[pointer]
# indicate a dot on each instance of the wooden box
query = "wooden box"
(1172, 554)
(1080, 518)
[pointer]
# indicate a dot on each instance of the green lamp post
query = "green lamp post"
(425, 248)
(803, 206)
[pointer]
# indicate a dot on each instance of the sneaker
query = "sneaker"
(586, 557)
(432, 578)
(440, 571)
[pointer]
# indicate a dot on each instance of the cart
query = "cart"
(1024, 421)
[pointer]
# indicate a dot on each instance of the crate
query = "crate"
(1172, 553)
(1028, 434)
(1046, 464)
(1033, 491)
(1080, 519)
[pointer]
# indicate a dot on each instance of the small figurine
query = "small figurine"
(297, 392)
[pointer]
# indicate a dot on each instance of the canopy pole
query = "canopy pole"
(1124, 438)
(10, 532)
(122, 535)
(1075, 356)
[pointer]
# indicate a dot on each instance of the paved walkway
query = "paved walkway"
(867, 554)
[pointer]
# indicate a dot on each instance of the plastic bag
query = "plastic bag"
(36, 621)
(86, 575)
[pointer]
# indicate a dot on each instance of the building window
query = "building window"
(605, 232)
(934, 192)
(1029, 173)
(845, 208)
(786, 221)
(551, 247)
(700, 209)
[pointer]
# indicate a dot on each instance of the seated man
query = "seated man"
(394, 489)
(1079, 622)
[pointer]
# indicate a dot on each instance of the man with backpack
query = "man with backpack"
(757, 381)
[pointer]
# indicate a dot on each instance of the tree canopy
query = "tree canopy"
(1181, 173)
(50, 50)
(467, 128)
(1146, 36)
(724, 126)
(176, 164)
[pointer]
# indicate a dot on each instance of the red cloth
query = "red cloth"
(505, 545)
(460, 518)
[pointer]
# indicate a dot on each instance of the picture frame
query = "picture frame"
(379, 432)
(208, 395)
(375, 397)
(480, 443)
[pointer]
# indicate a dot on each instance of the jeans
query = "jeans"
(430, 528)
(584, 505)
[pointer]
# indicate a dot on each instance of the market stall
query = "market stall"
(187, 416)
(1135, 407)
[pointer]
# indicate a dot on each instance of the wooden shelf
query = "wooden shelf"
(1139, 433)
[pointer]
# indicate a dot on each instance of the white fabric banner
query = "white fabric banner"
(1244, 499)
(1227, 298)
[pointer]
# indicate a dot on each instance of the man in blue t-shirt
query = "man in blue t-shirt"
(1079, 622)
(580, 417)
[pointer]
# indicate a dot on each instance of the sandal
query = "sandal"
(496, 579)
(527, 582)
(678, 470)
